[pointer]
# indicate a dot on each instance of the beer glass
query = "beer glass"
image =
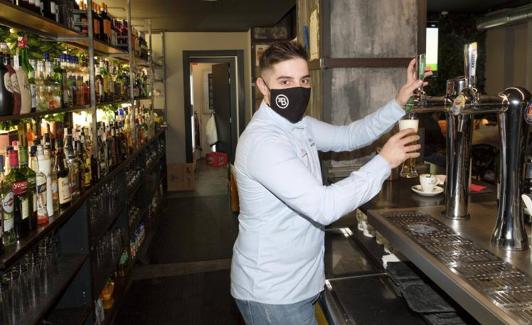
(408, 168)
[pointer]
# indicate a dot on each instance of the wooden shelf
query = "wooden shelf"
(67, 268)
(142, 98)
(23, 18)
(44, 113)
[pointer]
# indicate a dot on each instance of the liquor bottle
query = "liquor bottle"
(45, 166)
(9, 237)
(38, 165)
(48, 9)
(105, 30)
(83, 18)
(18, 183)
(6, 96)
(63, 180)
(33, 86)
(86, 165)
(76, 16)
(31, 179)
(96, 21)
(23, 86)
(73, 166)
(49, 152)
(12, 83)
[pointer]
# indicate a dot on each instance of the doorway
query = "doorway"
(214, 87)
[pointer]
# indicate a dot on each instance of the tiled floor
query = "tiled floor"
(186, 279)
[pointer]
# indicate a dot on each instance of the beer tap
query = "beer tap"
(513, 107)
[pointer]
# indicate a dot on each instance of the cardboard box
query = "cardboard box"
(181, 177)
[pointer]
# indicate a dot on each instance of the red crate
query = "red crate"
(217, 159)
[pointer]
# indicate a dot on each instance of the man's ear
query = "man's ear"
(263, 89)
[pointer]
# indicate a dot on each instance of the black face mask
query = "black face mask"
(290, 103)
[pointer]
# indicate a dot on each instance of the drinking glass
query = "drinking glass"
(408, 168)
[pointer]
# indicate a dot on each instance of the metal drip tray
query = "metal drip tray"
(492, 268)
(506, 286)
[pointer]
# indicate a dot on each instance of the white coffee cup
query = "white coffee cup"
(428, 182)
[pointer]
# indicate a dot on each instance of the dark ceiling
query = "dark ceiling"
(474, 6)
(240, 15)
(204, 16)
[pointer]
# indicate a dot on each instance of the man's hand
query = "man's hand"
(399, 147)
(411, 83)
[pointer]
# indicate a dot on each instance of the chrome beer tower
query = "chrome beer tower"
(512, 106)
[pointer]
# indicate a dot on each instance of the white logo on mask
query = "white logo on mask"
(282, 101)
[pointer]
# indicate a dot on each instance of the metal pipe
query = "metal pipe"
(505, 17)
(509, 232)
(92, 76)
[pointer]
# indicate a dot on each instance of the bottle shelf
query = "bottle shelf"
(15, 16)
(142, 98)
(135, 223)
(118, 101)
(12, 253)
(121, 288)
(44, 113)
(67, 268)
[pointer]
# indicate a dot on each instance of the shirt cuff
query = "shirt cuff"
(378, 166)
(396, 110)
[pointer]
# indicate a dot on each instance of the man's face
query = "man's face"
(286, 74)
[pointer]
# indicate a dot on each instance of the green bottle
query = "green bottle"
(32, 184)
(8, 226)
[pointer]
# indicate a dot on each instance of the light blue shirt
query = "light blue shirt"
(278, 254)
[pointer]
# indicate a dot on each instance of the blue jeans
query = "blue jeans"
(299, 313)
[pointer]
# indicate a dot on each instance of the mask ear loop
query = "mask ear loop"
(269, 90)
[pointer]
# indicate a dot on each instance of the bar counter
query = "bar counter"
(492, 285)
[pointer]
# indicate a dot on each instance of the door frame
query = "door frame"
(235, 58)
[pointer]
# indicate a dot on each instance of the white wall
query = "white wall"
(507, 49)
(175, 44)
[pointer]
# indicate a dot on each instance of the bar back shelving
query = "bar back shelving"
(60, 271)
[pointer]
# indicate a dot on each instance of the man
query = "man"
(277, 269)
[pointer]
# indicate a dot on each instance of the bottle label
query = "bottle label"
(7, 82)
(20, 187)
(96, 26)
(34, 201)
(25, 208)
(8, 224)
(64, 190)
(41, 197)
(87, 179)
(7, 203)
(55, 190)
(107, 27)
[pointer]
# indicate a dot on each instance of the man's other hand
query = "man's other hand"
(400, 147)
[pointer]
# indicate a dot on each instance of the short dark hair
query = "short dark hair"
(280, 51)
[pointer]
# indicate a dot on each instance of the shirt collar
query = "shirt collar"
(280, 121)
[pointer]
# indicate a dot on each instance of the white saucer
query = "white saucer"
(435, 191)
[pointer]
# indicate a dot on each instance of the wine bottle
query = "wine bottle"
(37, 158)
(30, 177)
(18, 183)
(63, 181)
(6, 96)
